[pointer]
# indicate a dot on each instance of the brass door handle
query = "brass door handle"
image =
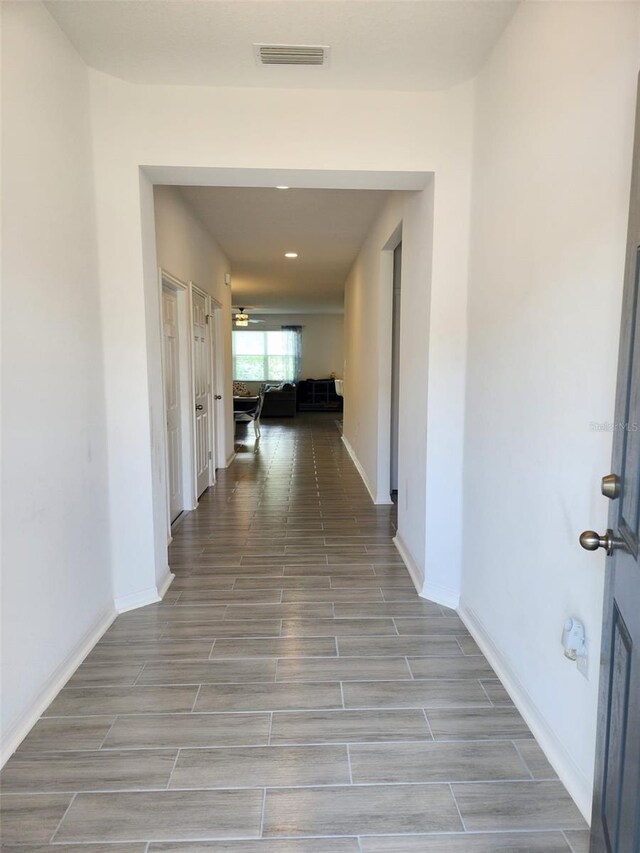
(591, 541)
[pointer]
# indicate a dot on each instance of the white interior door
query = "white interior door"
(201, 390)
(171, 344)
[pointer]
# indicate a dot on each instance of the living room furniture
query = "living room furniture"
(318, 395)
(279, 401)
(248, 409)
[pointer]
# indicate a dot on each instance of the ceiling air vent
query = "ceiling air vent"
(291, 54)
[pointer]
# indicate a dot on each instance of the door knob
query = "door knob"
(218, 397)
(199, 407)
(591, 541)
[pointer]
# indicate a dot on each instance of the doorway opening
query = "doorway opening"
(395, 372)
(371, 230)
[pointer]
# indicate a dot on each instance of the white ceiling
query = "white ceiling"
(255, 227)
(407, 45)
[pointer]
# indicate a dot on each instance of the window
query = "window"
(266, 356)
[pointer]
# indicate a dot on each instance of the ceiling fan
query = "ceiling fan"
(242, 318)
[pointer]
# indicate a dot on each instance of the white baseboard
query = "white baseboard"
(133, 600)
(359, 468)
(166, 583)
(232, 456)
(578, 786)
(150, 595)
(441, 594)
(414, 572)
(425, 589)
(17, 733)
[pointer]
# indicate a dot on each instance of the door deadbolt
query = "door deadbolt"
(610, 486)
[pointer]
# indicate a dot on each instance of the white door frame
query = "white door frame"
(216, 342)
(385, 355)
(211, 383)
(181, 290)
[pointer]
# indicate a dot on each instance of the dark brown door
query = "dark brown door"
(616, 804)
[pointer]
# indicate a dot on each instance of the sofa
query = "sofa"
(279, 401)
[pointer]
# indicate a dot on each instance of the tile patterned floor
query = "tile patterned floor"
(291, 694)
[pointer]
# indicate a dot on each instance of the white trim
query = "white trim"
(211, 449)
(328, 179)
(166, 583)
(385, 358)
(385, 498)
(213, 309)
(134, 600)
(175, 524)
(433, 592)
(576, 783)
(232, 456)
(440, 594)
(185, 336)
(150, 595)
(361, 471)
(414, 572)
(53, 685)
(225, 424)
(189, 403)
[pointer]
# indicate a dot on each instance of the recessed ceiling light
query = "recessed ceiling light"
(282, 188)
(291, 254)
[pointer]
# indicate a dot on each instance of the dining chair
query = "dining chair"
(252, 414)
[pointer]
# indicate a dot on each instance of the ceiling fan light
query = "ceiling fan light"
(241, 319)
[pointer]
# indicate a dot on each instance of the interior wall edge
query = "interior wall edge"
(411, 565)
(143, 597)
(360, 469)
(440, 593)
(166, 583)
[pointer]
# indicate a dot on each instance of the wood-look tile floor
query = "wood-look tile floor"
(291, 694)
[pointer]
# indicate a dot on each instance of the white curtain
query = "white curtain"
(294, 348)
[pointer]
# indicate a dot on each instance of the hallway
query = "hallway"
(292, 685)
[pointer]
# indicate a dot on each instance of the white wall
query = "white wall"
(322, 340)
(432, 364)
(175, 132)
(368, 319)
(553, 140)
(368, 301)
(56, 583)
